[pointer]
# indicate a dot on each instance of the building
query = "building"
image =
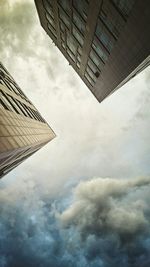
(107, 42)
(23, 131)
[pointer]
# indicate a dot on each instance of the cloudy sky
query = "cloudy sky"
(82, 200)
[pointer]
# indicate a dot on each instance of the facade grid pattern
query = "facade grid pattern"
(23, 130)
(88, 33)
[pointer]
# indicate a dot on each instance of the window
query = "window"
(65, 4)
(99, 50)
(78, 36)
(8, 103)
(89, 79)
(22, 111)
(64, 17)
(51, 24)
(80, 24)
(50, 20)
(92, 66)
(111, 23)
(52, 30)
(62, 27)
(79, 57)
(78, 64)
(71, 54)
(27, 110)
(2, 74)
(79, 50)
(81, 7)
(104, 36)
(63, 45)
(6, 83)
(48, 7)
(71, 43)
(2, 103)
(91, 74)
(125, 6)
(96, 59)
(16, 107)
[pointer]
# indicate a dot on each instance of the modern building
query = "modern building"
(107, 42)
(23, 131)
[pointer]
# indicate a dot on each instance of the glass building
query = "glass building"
(105, 41)
(23, 130)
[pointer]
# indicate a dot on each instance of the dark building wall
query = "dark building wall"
(131, 49)
(103, 40)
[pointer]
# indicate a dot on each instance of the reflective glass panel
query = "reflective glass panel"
(80, 24)
(78, 36)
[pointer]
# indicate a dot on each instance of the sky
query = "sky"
(83, 199)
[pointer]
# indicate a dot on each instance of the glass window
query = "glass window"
(92, 66)
(80, 24)
(98, 62)
(79, 57)
(125, 6)
(63, 45)
(99, 50)
(71, 44)
(79, 50)
(62, 37)
(48, 7)
(62, 27)
(91, 74)
(12, 100)
(20, 107)
(64, 18)
(78, 64)
(6, 83)
(104, 36)
(65, 4)
(14, 87)
(31, 112)
(71, 54)
(26, 110)
(112, 23)
(2, 103)
(50, 20)
(89, 78)
(78, 36)
(8, 103)
(81, 7)
(52, 30)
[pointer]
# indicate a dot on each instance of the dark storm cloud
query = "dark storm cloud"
(108, 226)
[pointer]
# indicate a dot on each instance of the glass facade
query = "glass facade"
(65, 18)
(10, 100)
(125, 6)
(65, 4)
(87, 47)
(78, 35)
(82, 8)
(104, 36)
(22, 129)
(49, 14)
(101, 52)
(79, 22)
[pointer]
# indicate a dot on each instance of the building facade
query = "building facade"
(107, 42)
(23, 131)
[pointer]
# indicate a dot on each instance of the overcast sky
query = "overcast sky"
(82, 200)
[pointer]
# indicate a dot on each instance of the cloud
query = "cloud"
(16, 36)
(107, 225)
(112, 214)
